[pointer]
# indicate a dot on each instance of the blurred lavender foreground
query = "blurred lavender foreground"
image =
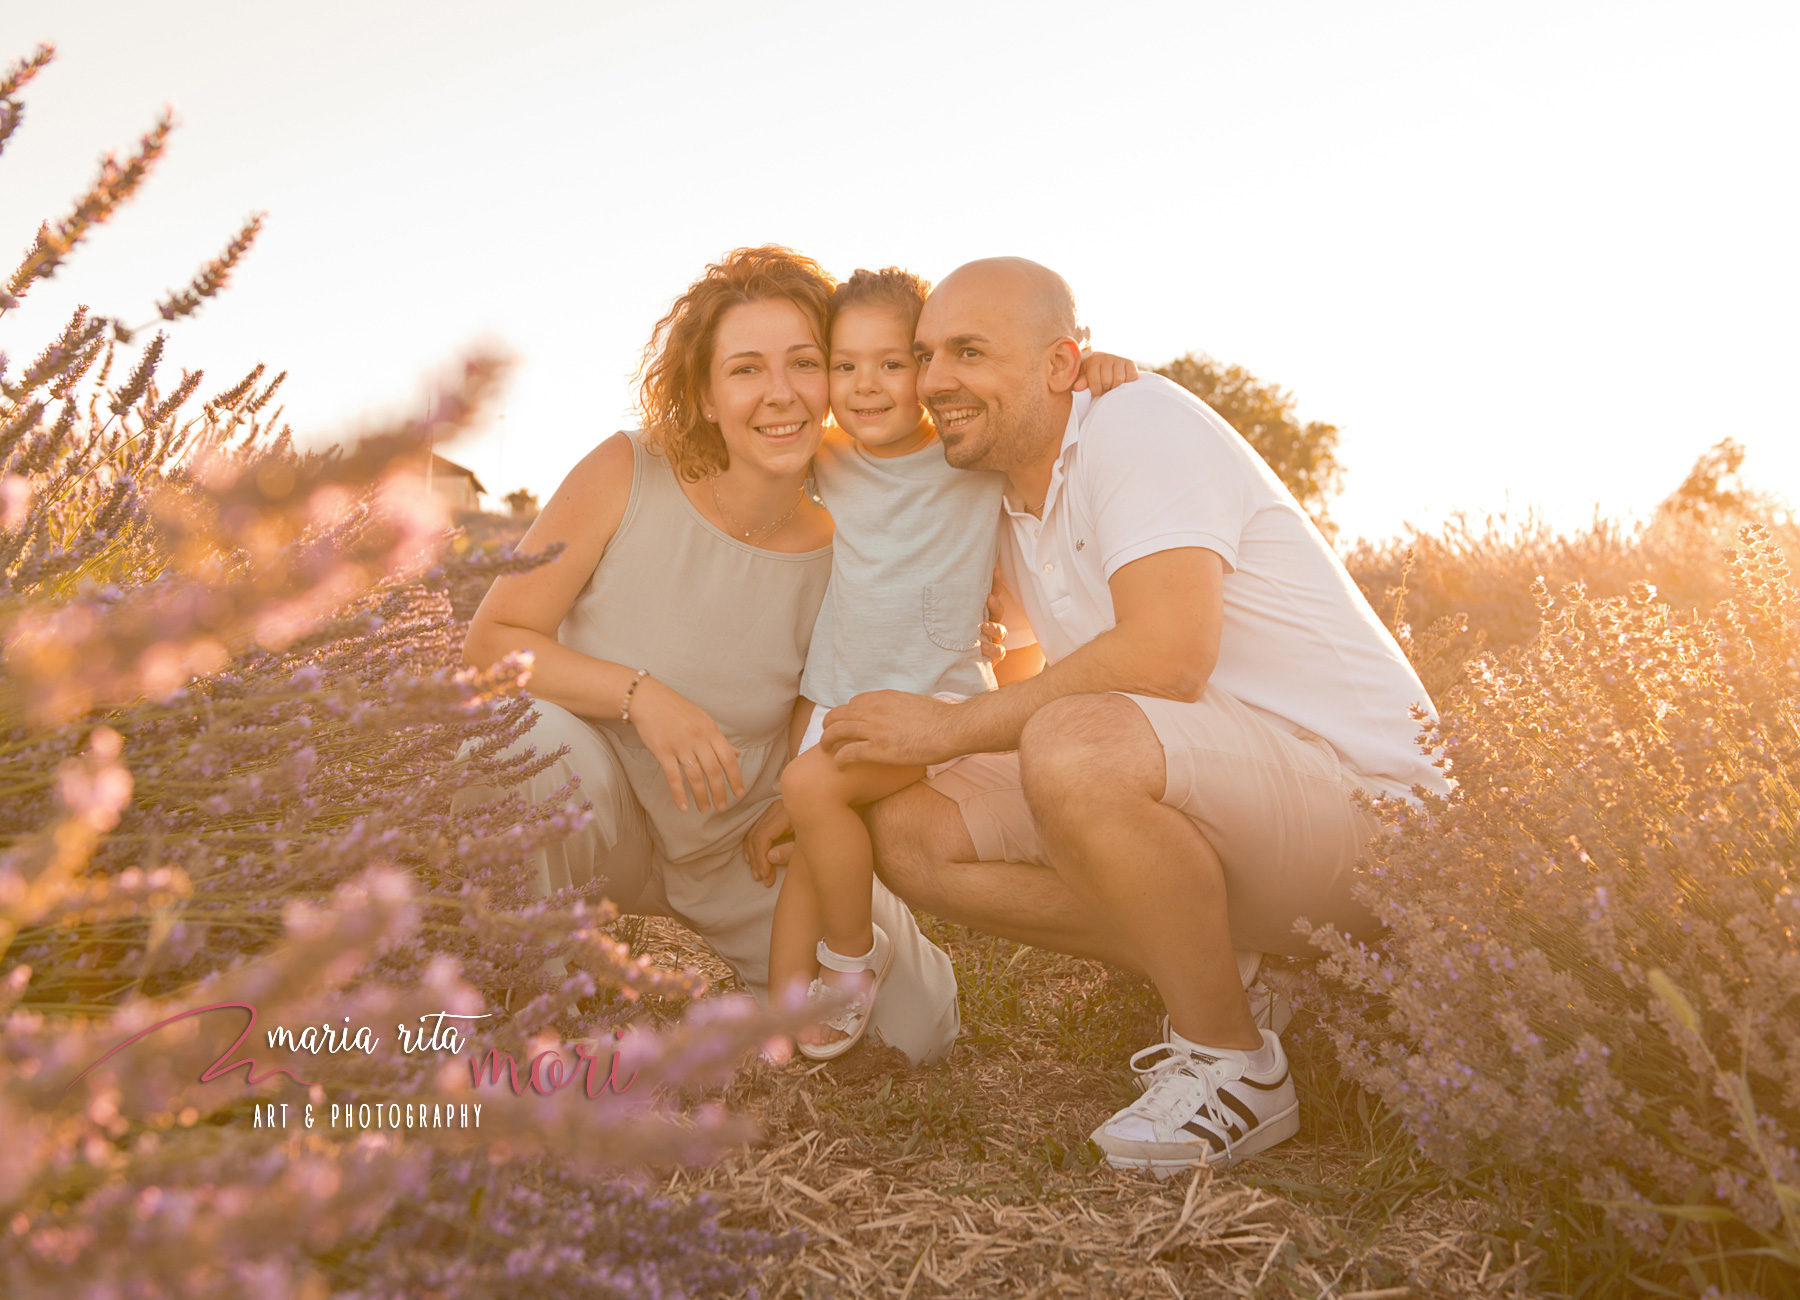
(1591, 971)
(231, 725)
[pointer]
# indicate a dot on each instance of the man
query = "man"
(1178, 780)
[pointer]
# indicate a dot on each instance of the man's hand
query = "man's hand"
(993, 632)
(769, 843)
(891, 727)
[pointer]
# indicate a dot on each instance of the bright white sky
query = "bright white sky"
(1525, 253)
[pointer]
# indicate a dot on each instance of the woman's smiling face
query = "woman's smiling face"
(767, 385)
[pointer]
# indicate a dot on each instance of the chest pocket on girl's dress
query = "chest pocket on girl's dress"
(953, 612)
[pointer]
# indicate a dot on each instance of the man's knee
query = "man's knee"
(918, 835)
(1082, 747)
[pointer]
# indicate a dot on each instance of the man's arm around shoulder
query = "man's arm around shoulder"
(1168, 609)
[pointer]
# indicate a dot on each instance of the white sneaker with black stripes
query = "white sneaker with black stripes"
(1201, 1105)
(1270, 1008)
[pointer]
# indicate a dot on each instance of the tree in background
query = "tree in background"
(1712, 487)
(521, 502)
(1304, 456)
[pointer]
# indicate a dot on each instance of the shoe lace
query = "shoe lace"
(1155, 1067)
(1169, 1093)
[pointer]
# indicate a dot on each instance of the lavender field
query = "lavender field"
(234, 726)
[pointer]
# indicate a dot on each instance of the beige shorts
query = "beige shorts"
(1277, 808)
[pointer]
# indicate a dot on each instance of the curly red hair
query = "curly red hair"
(678, 359)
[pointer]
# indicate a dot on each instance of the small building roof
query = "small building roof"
(439, 465)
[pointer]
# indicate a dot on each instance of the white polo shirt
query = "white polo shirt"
(1149, 467)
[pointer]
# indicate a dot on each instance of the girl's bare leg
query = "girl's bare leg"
(828, 829)
(794, 938)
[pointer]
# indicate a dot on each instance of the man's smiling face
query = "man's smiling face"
(982, 366)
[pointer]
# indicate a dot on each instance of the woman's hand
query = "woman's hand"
(769, 843)
(686, 743)
(1102, 370)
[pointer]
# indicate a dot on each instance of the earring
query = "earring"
(711, 416)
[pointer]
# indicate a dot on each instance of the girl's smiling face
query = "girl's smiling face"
(874, 397)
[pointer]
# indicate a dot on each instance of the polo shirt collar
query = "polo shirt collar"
(1078, 410)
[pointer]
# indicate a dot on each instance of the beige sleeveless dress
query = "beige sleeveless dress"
(727, 625)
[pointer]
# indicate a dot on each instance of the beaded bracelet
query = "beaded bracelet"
(625, 708)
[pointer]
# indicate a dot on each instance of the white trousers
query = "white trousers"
(714, 893)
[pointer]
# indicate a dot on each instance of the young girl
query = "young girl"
(912, 566)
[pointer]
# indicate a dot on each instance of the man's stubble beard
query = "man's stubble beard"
(1006, 439)
(965, 453)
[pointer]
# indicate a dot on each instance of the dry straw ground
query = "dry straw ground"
(971, 1177)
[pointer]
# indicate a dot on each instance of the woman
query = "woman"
(671, 632)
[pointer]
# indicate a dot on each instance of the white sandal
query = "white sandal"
(853, 1020)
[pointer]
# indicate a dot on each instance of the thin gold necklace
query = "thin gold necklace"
(737, 525)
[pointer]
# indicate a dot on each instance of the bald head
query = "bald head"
(998, 358)
(1029, 292)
